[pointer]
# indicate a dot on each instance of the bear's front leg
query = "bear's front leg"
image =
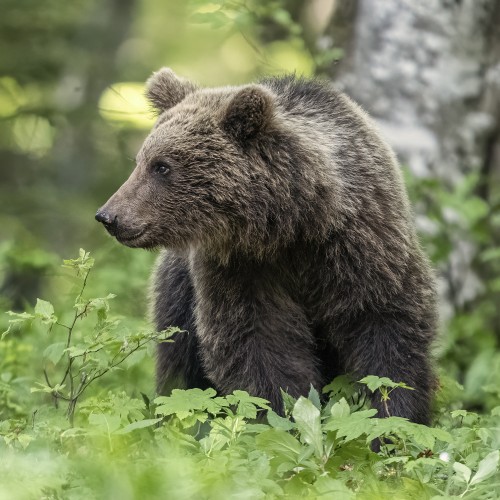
(253, 336)
(178, 364)
(399, 350)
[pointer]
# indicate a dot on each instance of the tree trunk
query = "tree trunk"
(429, 73)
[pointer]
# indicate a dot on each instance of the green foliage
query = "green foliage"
(197, 444)
(274, 29)
(247, 15)
(462, 221)
(79, 359)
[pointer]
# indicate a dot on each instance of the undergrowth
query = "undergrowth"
(78, 431)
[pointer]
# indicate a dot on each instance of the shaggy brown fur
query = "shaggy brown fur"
(291, 253)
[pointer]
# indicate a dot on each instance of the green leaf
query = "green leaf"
(314, 397)
(46, 388)
(463, 472)
(104, 422)
(308, 420)
(43, 308)
(183, 402)
(440, 434)
(373, 383)
(352, 426)
(140, 424)
(100, 304)
(256, 428)
(288, 401)
(486, 467)
(458, 413)
(76, 351)
(20, 317)
(280, 444)
(82, 264)
(45, 312)
(396, 426)
(333, 488)
(342, 385)
(423, 435)
(24, 440)
(247, 405)
(18, 320)
(278, 422)
(340, 409)
(54, 352)
(401, 460)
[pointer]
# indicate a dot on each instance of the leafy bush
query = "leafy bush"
(75, 430)
(462, 226)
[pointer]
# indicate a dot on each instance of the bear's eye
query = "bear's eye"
(161, 168)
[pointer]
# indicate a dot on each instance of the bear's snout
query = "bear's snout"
(130, 235)
(110, 222)
(103, 217)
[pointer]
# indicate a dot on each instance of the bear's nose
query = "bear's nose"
(104, 217)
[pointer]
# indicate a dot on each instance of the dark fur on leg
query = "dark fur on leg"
(267, 343)
(178, 363)
(398, 351)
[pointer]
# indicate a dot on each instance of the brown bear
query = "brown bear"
(290, 254)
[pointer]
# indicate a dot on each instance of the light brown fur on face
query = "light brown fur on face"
(290, 253)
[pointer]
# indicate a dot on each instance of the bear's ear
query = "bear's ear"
(248, 112)
(165, 89)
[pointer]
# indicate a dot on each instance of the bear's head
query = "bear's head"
(219, 169)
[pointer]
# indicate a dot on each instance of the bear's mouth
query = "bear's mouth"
(127, 238)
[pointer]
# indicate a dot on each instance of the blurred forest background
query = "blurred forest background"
(73, 115)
